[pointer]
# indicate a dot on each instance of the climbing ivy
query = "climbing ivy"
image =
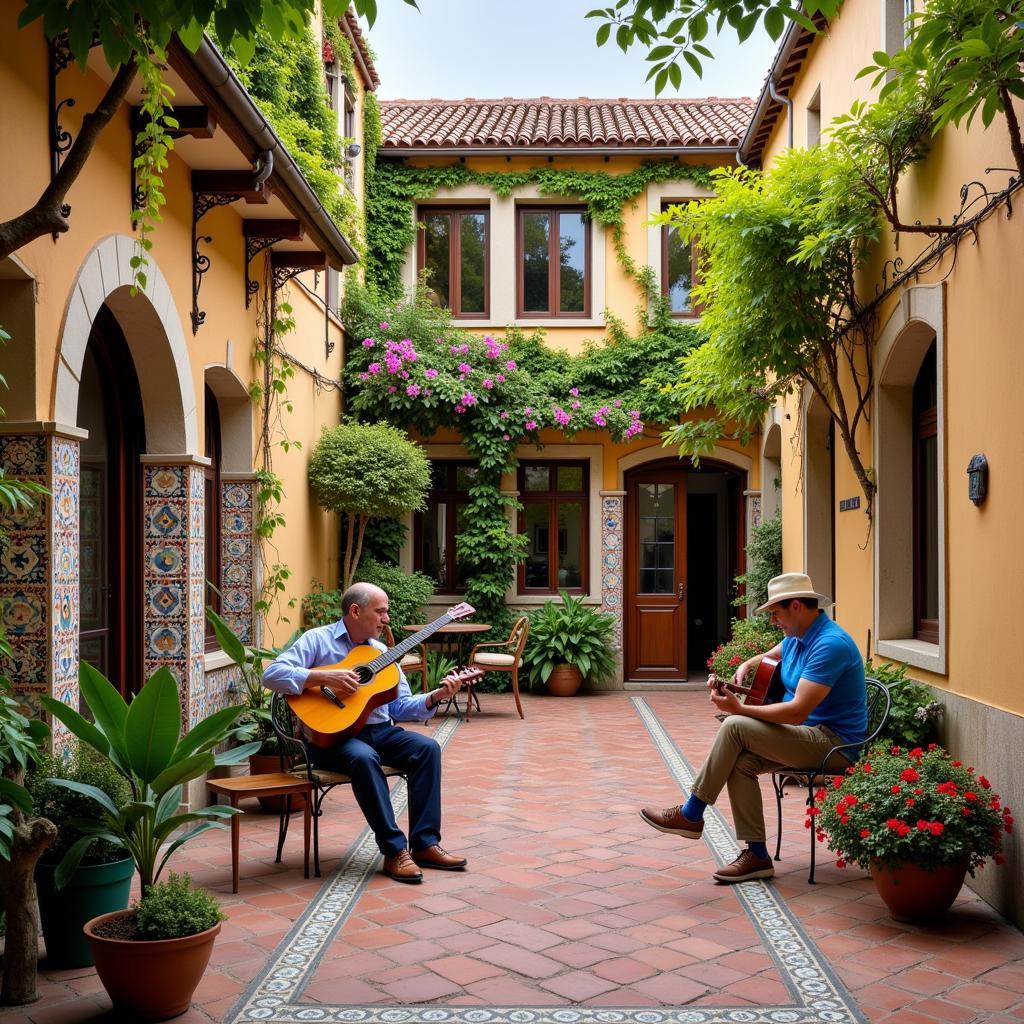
(393, 189)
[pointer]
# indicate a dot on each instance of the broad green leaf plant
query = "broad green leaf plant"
(143, 742)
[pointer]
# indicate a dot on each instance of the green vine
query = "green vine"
(394, 188)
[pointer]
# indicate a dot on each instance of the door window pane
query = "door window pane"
(570, 478)
(536, 261)
(536, 478)
(572, 258)
(465, 477)
(472, 238)
(437, 256)
(537, 546)
(656, 527)
(570, 544)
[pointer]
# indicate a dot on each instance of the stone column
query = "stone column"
(612, 557)
(39, 569)
(174, 516)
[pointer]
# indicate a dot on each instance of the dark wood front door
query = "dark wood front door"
(656, 575)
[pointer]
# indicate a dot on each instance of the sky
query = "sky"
(487, 49)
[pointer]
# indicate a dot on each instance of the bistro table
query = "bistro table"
(453, 640)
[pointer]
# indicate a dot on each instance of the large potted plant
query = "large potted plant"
(918, 820)
(80, 875)
(144, 744)
(569, 642)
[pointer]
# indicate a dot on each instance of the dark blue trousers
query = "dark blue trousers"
(419, 756)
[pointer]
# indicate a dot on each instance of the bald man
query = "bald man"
(364, 614)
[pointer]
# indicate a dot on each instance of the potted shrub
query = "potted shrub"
(168, 935)
(79, 876)
(914, 712)
(143, 742)
(569, 642)
(918, 820)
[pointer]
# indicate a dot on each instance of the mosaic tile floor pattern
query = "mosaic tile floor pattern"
(573, 911)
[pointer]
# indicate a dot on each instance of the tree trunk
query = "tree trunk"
(18, 891)
(46, 217)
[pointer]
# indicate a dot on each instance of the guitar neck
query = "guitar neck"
(400, 650)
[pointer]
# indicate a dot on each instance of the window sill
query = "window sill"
(931, 657)
(531, 322)
(214, 660)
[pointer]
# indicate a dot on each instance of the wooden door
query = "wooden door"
(656, 575)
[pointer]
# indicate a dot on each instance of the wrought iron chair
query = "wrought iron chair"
(500, 656)
(296, 759)
(879, 702)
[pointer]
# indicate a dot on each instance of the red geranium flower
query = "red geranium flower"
(909, 775)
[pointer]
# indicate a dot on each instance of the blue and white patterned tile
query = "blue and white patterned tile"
(165, 640)
(24, 610)
(165, 559)
(197, 483)
(24, 559)
(65, 607)
(66, 457)
(164, 599)
(165, 482)
(166, 519)
(237, 496)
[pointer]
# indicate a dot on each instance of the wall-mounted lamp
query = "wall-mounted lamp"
(977, 478)
(352, 150)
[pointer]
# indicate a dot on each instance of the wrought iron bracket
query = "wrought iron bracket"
(60, 138)
(196, 122)
(202, 203)
(253, 247)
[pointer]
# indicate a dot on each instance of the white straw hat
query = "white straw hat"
(791, 585)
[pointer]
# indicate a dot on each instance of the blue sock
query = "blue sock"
(693, 809)
(761, 849)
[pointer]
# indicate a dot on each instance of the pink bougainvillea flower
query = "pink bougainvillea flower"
(530, 424)
(431, 373)
(465, 368)
(385, 326)
(373, 369)
(599, 419)
(460, 409)
(488, 383)
(503, 415)
(575, 392)
(617, 403)
(392, 389)
(412, 390)
(500, 378)
(575, 406)
(364, 376)
(505, 437)
(562, 418)
(510, 365)
(468, 399)
(368, 343)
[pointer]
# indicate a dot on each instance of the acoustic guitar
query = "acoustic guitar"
(764, 688)
(329, 716)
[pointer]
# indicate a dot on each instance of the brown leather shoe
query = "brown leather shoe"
(746, 867)
(435, 857)
(401, 868)
(671, 820)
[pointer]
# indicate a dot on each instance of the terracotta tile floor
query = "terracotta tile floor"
(570, 903)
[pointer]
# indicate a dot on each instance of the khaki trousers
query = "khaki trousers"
(746, 748)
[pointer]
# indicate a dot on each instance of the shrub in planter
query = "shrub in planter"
(914, 714)
(916, 808)
(174, 909)
(750, 637)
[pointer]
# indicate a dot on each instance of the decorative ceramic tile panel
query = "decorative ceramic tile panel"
(223, 688)
(236, 555)
(611, 559)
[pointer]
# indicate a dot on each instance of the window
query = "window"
(926, 501)
(554, 496)
(211, 539)
(348, 131)
(454, 250)
(553, 261)
(678, 271)
(814, 120)
(436, 529)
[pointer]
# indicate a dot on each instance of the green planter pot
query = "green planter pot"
(94, 889)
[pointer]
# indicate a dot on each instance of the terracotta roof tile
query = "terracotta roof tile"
(551, 123)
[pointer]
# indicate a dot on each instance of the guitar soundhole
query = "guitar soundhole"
(364, 673)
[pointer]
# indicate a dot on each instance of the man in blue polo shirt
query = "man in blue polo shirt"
(824, 704)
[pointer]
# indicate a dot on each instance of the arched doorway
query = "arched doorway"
(111, 593)
(684, 540)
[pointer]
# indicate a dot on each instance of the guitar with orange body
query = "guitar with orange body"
(329, 716)
(765, 687)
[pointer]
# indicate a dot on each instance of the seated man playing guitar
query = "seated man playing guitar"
(823, 703)
(310, 663)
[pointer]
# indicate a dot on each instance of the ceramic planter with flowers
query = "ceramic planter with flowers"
(918, 820)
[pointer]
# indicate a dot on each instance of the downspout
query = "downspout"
(787, 103)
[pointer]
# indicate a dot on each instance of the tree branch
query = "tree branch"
(45, 217)
(1014, 126)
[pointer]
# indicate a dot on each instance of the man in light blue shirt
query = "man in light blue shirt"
(364, 613)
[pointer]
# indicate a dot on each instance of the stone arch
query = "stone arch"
(720, 454)
(153, 331)
(236, 418)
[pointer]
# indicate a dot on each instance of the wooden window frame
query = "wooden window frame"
(213, 536)
(451, 497)
(554, 279)
(455, 257)
(695, 310)
(553, 498)
(925, 426)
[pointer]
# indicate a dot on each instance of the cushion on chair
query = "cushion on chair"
(502, 660)
(411, 661)
(325, 777)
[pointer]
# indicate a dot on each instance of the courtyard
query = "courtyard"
(572, 910)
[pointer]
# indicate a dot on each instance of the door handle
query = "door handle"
(682, 591)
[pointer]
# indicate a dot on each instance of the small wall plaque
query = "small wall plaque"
(847, 504)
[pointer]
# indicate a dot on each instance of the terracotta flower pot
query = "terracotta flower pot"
(564, 680)
(914, 894)
(154, 979)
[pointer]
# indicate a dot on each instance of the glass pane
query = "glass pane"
(680, 272)
(538, 546)
(438, 476)
(536, 238)
(647, 581)
(570, 478)
(434, 554)
(929, 520)
(572, 260)
(93, 560)
(656, 525)
(472, 238)
(536, 478)
(646, 530)
(664, 583)
(648, 555)
(437, 251)
(666, 556)
(570, 544)
(465, 477)
(461, 569)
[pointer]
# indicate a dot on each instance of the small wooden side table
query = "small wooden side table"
(272, 784)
